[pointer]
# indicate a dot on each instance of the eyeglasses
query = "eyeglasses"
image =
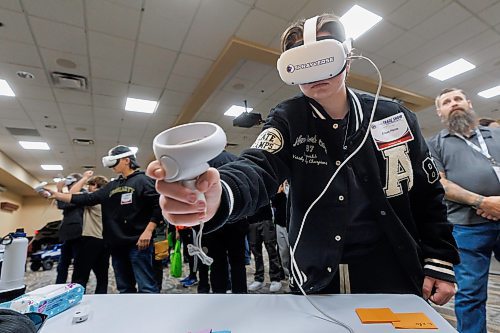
(37, 318)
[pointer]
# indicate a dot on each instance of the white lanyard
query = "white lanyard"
(483, 149)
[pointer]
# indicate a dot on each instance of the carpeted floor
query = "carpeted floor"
(39, 279)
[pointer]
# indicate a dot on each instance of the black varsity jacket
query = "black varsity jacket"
(401, 180)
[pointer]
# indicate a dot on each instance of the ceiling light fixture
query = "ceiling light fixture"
(52, 167)
(489, 93)
(454, 68)
(140, 105)
(236, 110)
(5, 89)
(38, 145)
(358, 20)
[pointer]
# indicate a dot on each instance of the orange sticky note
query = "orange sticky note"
(376, 315)
(413, 320)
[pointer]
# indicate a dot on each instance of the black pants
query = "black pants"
(187, 237)
(264, 232)
(93, 255)
(376, 272)
(69, 250)
(227, 247)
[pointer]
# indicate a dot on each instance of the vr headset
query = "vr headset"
(112, 160)
(69, 180)
(314, 60)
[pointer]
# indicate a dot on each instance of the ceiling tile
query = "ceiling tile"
(110, 70)
(109, 87)
(19, 53)
(8, 72)
(113, 19)
(208, 43)
(261, 27)
(415, 12)
(109, 102)
(104, 46)
(72, 96)
(51, 57)
(191, 66)
(70, 12)
(142, 92)
(477, 5)
(59, 36)
(285, 9)
(15, 27)
(11, 4)
(435, 25)
(381, 34)
(76, 109)
(402, 45)
(183, 84)
(491, 14)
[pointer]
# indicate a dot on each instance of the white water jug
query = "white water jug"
(14, 260)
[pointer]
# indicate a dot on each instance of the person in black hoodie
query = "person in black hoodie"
(130, 213)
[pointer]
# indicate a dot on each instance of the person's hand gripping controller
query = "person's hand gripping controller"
(190, 190)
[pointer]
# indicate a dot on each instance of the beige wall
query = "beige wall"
(33, 213)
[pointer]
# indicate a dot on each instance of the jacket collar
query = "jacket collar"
(356, 116)
(485, 131)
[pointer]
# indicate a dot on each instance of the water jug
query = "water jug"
(14, 262)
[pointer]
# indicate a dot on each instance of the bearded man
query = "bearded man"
(468, 158)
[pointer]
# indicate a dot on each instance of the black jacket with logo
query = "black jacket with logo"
(128, 205)
(293, 145)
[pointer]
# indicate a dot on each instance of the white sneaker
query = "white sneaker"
(256, 285)
(275, 286)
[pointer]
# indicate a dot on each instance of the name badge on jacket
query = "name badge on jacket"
(126, 198)
(391, 131)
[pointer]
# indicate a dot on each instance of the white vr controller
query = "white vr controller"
(184, 151)
(315, 60)
(40, 188)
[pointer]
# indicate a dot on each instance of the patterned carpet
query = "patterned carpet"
(39, 279)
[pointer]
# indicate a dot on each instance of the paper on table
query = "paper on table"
(376, 315)
(416, 320)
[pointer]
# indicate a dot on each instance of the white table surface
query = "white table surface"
(253, 313)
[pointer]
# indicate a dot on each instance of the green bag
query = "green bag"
(176, 261)
(171, 238)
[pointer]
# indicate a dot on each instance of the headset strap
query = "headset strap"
(310, 30)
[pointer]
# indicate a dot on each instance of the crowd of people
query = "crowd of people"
(330, 206)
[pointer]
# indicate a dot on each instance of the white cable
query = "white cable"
(196, 249)
(297, 275)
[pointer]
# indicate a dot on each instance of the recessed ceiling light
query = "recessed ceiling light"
(452, 69)
(52, 167)
(489, 93)
(236, 110)
(358, 20)
(25, 75)
(5, 89)
(39, 145)
(140, 105)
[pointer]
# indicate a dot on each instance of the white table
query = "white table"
(253, 313)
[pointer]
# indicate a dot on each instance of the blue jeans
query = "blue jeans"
(475, 244)
(133, 266)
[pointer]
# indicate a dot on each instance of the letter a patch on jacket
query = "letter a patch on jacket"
(398, 169)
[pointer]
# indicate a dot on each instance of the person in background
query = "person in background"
(187, 236)
(130, 213)
(489, 122)
(383, 216)
(261, 229)
(279, 203)
(70, 232)
(468, 158)
(93, 254)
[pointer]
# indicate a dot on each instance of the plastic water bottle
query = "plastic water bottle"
(16, 249)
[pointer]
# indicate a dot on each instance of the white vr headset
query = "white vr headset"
(112, 160)
(315, 60)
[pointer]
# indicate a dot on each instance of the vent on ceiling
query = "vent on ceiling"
(23, 131)
(69, 81)
(83, 142)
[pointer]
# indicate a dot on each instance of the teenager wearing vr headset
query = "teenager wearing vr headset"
(380, 226)
(130, 212)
